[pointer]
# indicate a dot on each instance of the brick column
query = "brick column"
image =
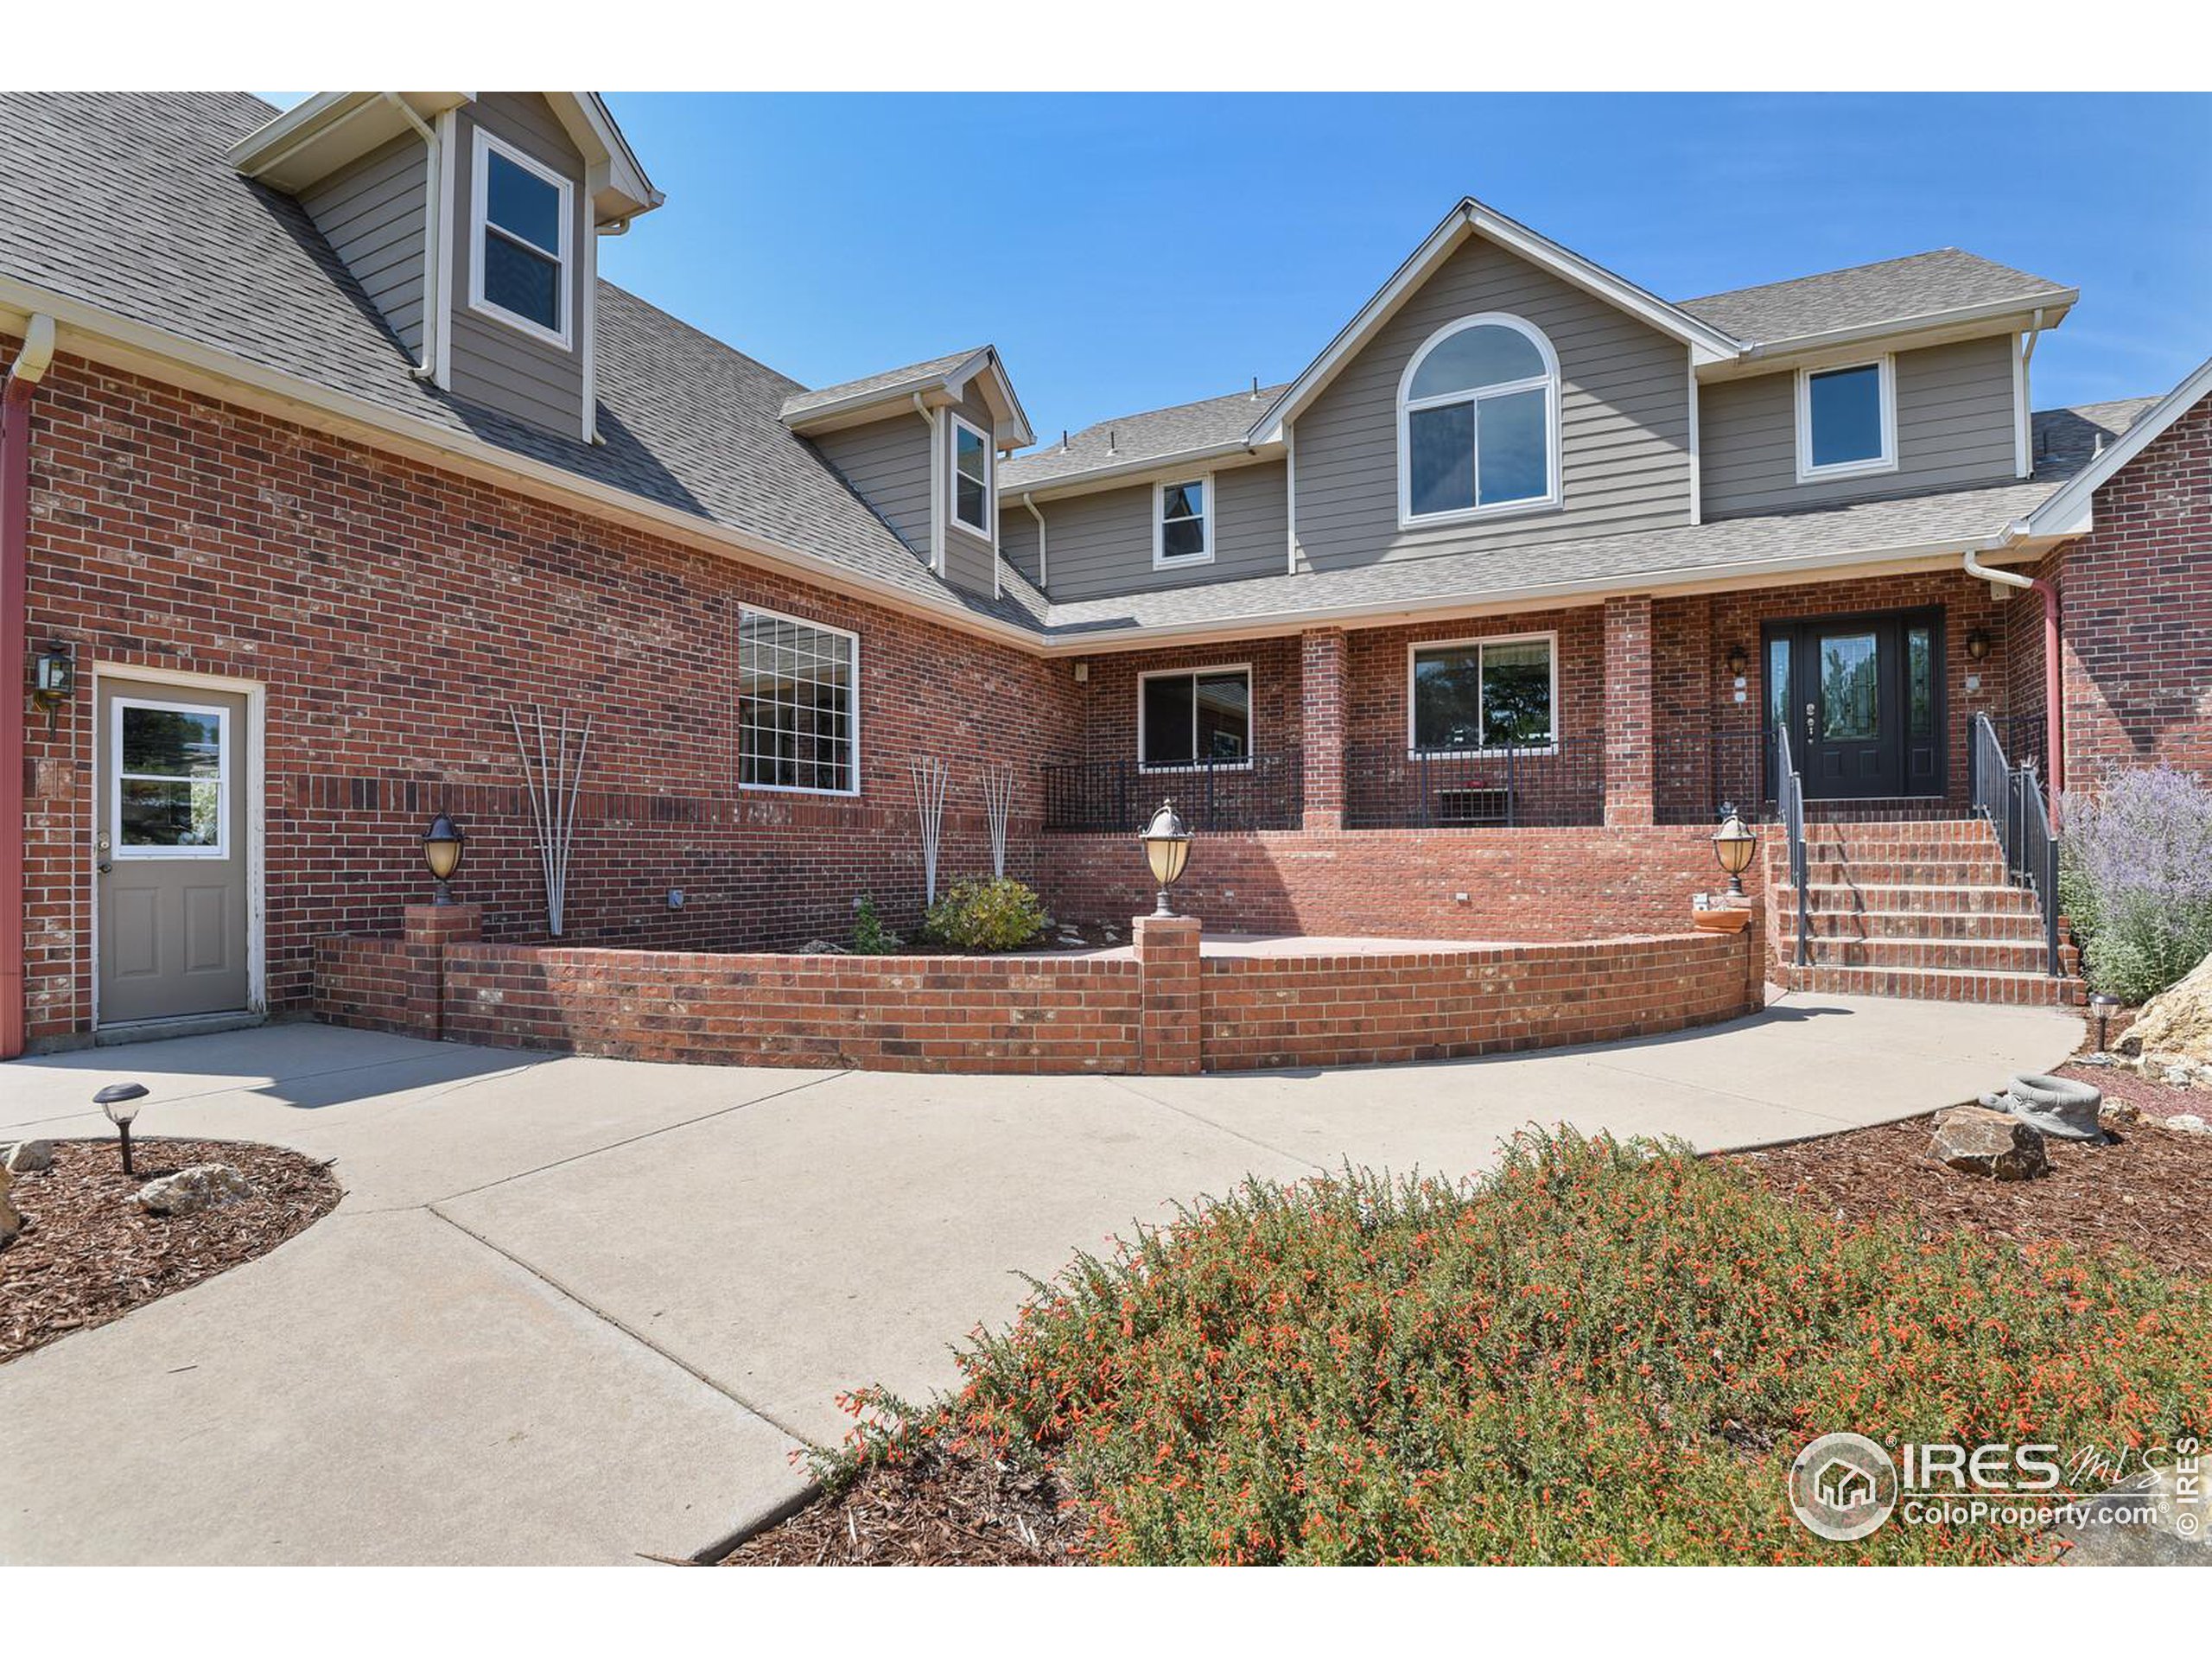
(1630, 735)
(425, 931)
(1322, 722)
(1167, 977)
(1755, 955)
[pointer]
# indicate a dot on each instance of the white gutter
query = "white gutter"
(1029, 502)
(433, 273)
(1801, 345)
(1097, 478)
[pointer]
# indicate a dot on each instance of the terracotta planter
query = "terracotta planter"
(1729, 920)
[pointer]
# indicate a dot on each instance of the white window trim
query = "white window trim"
(1884, 462)
(1161, 559)
(1414, 750)
(221, 849)
(987, 531)
(1548, 383)
(853, 742)
(1194, 767)
(479, 228)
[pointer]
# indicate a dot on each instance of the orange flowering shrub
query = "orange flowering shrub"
(1601, 1353)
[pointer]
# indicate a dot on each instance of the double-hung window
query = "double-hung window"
(1484, 694)
(1182, 524)
(798, 718)
(972, 465)
(1479, 422)
(521, 270)
(1846, 421)
(1195, 717)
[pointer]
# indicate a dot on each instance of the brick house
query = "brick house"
(327, 455)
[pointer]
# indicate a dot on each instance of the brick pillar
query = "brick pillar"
(424, 932)
(1167, 977)
(1322, 722)
(1629, 733)
(1755, 955)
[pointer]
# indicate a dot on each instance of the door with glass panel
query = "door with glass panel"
(1863, 697)
(169, 847)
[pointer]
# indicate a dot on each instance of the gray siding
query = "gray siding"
(887, 464)
(1101, 544)
(970, 560)
(1954, 427)
(1623, 408)
(492, 364)
(372, 213)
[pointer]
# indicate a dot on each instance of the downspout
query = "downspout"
(23, 376)
(1029, 500)
(2053, 746)
(434, 269)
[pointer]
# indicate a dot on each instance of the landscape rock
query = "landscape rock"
(2178, 1021)
(1976, 1141)
(11, 1219)
(203, 1186)
(27, 1157)
(2119, 1114)
(2188, 1123)
(823, 948)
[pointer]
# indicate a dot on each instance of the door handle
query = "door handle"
(101, 843)
(104, 867)
(1808, 722)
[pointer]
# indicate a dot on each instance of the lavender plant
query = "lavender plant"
(2135, 878)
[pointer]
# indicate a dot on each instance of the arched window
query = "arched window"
(1478, 422)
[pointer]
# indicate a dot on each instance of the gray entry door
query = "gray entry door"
(169, 845)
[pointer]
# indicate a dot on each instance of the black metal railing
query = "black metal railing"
(2020, 737)
(2011, 798)
(1536, 785)
(1789, 803)
(1113, 797)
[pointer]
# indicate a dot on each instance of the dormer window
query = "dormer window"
(971, 476)
(520, 273)
(1846, 421)
(1479, 422)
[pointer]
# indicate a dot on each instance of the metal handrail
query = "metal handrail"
(1790, 801)
(2011, 798)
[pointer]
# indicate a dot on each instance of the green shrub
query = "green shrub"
(2135, 879)
(974, 914)
(870, 937)
(1600, 1353)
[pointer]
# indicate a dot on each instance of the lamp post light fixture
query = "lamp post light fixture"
(53, 681)
(1733, 844)
(120, 1102)
(1167, 849)
(443, 846)
(1977, 643)
(2104, 1005)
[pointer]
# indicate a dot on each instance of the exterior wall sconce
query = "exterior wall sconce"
(1977, 643)
(53, 681)
(120, 1102)
(443, 846)
(1733, 844)
(1167, 849)
(1738, 662)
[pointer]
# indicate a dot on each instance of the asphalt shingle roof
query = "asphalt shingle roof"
(1155, 434)
(1863, 296)
(129, 201)
(918, 374)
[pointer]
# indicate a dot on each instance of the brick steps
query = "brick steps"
(1914, 908)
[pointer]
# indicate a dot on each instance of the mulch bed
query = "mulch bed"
(937, 1509)
(87, 1256)
(2149, 1190)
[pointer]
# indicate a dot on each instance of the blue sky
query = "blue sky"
(1125, 252)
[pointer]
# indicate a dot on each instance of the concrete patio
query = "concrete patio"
(574, 1310)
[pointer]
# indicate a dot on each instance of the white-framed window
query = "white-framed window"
(974, 476)
(1195, 717)
(1846, 420)
(172, 794)
(521, 267)
(1493, 693)
(1182, 524)
(798, 705)
(1479, 422)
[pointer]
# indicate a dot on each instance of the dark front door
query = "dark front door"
(1863, 696)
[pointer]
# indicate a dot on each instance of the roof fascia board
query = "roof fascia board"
(102, 336)
(250, 154)
(1901, 334)
(591, 123)
(1708, 344)
(1236, 453)
(2069, 510)
(988, 364)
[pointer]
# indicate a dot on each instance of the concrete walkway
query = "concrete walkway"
(574, 1309)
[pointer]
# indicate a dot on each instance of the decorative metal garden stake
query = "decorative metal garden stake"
(930, 779)
(120, 1102)
(553, 786)
(998, 807)
(1167, 849)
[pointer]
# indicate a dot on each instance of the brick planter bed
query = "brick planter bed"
(1158, 1008)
